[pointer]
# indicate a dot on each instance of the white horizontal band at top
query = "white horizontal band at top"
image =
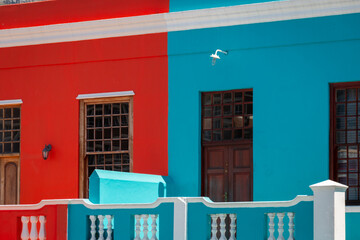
(177, 21)
(105, 95)
(11, 102)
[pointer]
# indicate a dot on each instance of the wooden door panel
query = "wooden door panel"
(241, 157)
(215, 189)
(10, 183)
(215, 157)
(9, 176)
(241, 187)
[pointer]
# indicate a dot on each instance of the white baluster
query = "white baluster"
(33, 232)
(145, 226)
(25, 228)
(232, 226)
(92, 227)
(214, 225)
(101, 227)
(271, 226)
(137, 227)
(153, 227)
(42, 231)
(222, 226)
(291, 216)
(281, 226)
(109, 227)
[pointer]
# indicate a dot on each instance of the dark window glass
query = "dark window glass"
(228, 116)
(10, 130)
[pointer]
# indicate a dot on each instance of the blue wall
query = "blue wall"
(289, 65)
(352, 226)
(182, 5)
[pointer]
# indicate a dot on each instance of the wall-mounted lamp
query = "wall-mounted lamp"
(215, 55)
(45, 151)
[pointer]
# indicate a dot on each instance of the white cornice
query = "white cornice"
(105, 95)
(177, 21)
(11, 102)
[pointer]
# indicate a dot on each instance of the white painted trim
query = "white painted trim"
(11, 102)
(177, 21)
(207, 202)
(155, 204)
(105, 95)
(35, 206)
(352, 209)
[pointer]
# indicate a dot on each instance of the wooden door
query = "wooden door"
(227, 172)
(9, 177)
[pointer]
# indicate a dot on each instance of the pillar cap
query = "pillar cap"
(329, 184)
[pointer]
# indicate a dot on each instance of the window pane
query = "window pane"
(227, 123)
(124, 108)
(340, 137)
(342, 166)
(227, 110)
(340, 109)
(90, 110)
(116, 108)
(248, 109)
(351, 136)
(227, 98)
(351, 94)
(353, 193)
(227, 134)
(16, 112)
(217, 111)
(107, 109)
(238, 121)
(7, 112)
(353, 165)
(217, 135)
(351, 109)
(340, 123)
(207, 99)
(353, 152)
(351, 122)
(207, 123)
(340, 95)
(238, 97)
(98, 109)
(248, 96)
(217, 98)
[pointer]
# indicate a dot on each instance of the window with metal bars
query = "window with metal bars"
(9, 130)
(345, 138)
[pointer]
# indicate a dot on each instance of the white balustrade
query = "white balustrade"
(221, 228)
(145, 226)
(99, 225)
(232, 226)
(42, 231)
(280, 225)
(291, 216)
(34, 234)
(271, 226)
(109, 227)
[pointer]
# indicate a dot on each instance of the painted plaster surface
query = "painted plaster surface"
(109, 187)
(352, 226)
(289, 66)
(183, 5)
(49, 77)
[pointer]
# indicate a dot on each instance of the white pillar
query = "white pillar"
(329, 210)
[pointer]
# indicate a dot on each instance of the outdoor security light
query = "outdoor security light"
(45, 151)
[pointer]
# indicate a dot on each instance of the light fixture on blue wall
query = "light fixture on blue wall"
(215, 55)
(45, 151)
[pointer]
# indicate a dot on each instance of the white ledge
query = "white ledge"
(177, 21)
(105, 95)
(207, 202)
(352, 209)
(11, 102)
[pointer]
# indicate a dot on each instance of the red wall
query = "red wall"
(62, 11)
(56, 222)
(48, 79)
